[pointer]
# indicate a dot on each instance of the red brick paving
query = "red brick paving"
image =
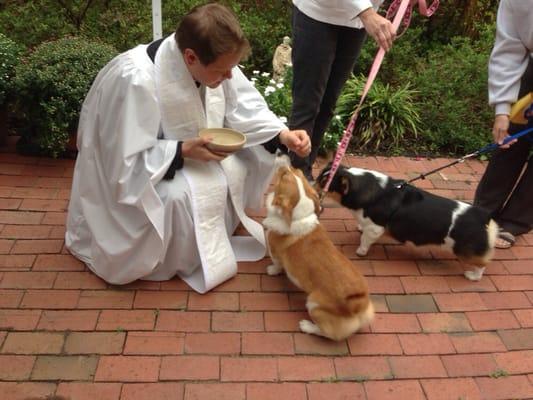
(435, 336)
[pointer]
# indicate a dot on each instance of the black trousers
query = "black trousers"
(323, 57)
(504, 190)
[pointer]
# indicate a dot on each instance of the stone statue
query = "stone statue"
(282, 58)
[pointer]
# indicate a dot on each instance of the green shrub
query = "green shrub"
(10, 53)
(33, 22)
(265, 23)
(126, 23)
(52, 84)
(452, 87)
(123, 24)
(388, 120)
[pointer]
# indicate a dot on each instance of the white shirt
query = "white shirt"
(337, 12)
(512, 50)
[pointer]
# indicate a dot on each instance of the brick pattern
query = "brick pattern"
(436, 335)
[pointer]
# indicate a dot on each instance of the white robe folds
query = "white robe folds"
(124, 221)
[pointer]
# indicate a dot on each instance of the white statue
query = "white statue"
(282, 58)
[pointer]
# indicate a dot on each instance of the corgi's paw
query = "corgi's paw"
(309, 327)
(361, 251)
(274, 269)
(474, 275)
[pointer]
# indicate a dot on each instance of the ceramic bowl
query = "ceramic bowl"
(224, 139)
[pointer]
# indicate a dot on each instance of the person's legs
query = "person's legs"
(181, 250)
(349, 44)
(501, 174)
(517, 215)
(512, 209)
(313, 52)
(496, 185)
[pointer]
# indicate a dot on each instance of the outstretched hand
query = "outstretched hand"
(297, 141)
(197, 149)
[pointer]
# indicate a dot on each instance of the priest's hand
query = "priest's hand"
(196, 148)
(297, 141)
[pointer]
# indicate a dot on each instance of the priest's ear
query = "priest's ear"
(190, 57)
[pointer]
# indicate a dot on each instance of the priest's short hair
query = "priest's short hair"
(211, 30)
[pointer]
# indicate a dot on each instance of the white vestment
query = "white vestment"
(124, 221)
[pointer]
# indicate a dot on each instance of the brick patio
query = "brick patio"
(436, 335)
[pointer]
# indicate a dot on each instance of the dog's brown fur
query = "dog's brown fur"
(338, 298)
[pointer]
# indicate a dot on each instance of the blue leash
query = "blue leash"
(487, 148)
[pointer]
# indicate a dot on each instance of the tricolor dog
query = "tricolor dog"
(338, 300)
(408, 214)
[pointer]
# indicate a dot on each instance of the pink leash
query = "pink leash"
(401, 10)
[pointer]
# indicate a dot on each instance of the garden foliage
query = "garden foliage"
(10, 52)
(388, 118)
(52, 83)
(429, 97)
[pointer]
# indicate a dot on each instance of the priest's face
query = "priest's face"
(213, 74)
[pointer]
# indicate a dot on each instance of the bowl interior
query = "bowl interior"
(224, 139)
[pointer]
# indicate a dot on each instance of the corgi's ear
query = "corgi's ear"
(284, 204)
(345, 185)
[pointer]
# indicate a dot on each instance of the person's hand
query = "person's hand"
(500, 130)
(380, 28)
(196, 148)
(297, 141)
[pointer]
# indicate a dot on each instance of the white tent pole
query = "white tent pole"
(156, 19)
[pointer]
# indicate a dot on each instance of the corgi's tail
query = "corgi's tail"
(368, 315)
(362, 305)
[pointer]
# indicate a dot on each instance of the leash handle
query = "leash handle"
(493, 146)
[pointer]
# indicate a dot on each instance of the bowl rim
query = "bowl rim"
(228, 130)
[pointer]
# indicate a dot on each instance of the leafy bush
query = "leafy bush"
(126, 23)
(52, 83)
(453, 18)
(388, 119)
(264, 23)
(33, 22)
(10, 53)
(452, 86)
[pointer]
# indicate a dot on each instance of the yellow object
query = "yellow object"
(518, 110)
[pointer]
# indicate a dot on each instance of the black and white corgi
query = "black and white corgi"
(408, 214)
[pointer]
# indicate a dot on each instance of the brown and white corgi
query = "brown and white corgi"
(338, 299)
(409, 214)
